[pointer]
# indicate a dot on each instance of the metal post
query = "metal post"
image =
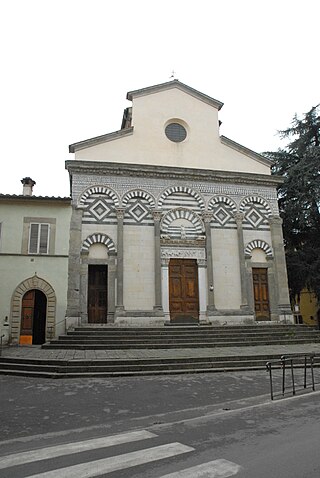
(305, 372)
(1, 337)
(268, 365)
(292, 376)
(311, 366)
(283, 363)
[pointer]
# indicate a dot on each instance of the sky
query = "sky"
(67, 65)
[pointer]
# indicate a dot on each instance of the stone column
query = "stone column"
(207, 216)
(280, 268)
(157, 260)
(120, 215)
(111, 286)
(244, 290)
(73, 296)
(165, 288)
(84, 287)
(202, 285)
(249, 283)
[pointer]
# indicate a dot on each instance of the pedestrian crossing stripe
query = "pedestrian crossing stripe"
(115, 463)
(212, 469)
(75, 447)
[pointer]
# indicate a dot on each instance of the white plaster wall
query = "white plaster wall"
(138, 268)
(226, 269)
(13, 213)
(149, 145)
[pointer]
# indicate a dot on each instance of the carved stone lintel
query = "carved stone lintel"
(183, 253)
(166, 241)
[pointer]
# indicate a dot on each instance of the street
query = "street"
(201, 425)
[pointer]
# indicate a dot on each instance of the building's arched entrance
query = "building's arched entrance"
(33, 317)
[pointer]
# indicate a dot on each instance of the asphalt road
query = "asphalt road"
(190, 426)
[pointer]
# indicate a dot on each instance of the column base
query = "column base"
(72, 321)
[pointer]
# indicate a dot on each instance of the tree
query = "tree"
(299, 200)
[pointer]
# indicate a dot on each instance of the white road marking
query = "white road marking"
(212, 469)
(75, 447)
(114, 463)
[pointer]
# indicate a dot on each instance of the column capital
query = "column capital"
(202, 262)
(120, 212)
(207, 216)
(157, 215)
(275, 220)
(238, 216)
(165, 262)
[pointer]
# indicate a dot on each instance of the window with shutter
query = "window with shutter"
(39, 238)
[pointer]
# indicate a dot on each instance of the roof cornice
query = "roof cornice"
(248, 152)
(88, 143)
(23, 198)
(150, 90)
(169, 172)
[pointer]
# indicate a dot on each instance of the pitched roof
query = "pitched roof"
(175, 84)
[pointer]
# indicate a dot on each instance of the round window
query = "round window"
(176, 132)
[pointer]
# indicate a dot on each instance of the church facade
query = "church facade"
(172, 222)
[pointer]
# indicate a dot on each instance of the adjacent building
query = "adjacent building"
(34, 243)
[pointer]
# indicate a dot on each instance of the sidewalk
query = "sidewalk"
(35, 352)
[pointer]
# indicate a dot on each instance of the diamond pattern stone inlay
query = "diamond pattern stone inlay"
(254, 217)
(99, 210)
(222, 216)
(138, 211)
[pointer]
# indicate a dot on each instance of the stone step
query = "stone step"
(196, 333)
(104, 368)
(182, 329)
(156, 345)
(145, 337)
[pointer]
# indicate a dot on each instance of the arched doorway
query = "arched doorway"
(33, 317)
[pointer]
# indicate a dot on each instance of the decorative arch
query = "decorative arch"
(224, 199)
(181, 189)
(98, 238)
(99, 190)
(256, 199)
(258, 244)
(34, 282)
(138, 193)
(182, 213)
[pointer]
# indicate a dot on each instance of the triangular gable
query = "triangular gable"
(175, 84)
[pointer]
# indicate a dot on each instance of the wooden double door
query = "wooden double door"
(97, 294)
(183, 290)
(33, 317)
(261, 293)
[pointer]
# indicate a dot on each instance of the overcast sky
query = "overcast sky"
(66, 66)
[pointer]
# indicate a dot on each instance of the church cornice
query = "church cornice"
(88, 143)
(168, 172)
(248, 152)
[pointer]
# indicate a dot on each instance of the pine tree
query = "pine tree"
(299, 200)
